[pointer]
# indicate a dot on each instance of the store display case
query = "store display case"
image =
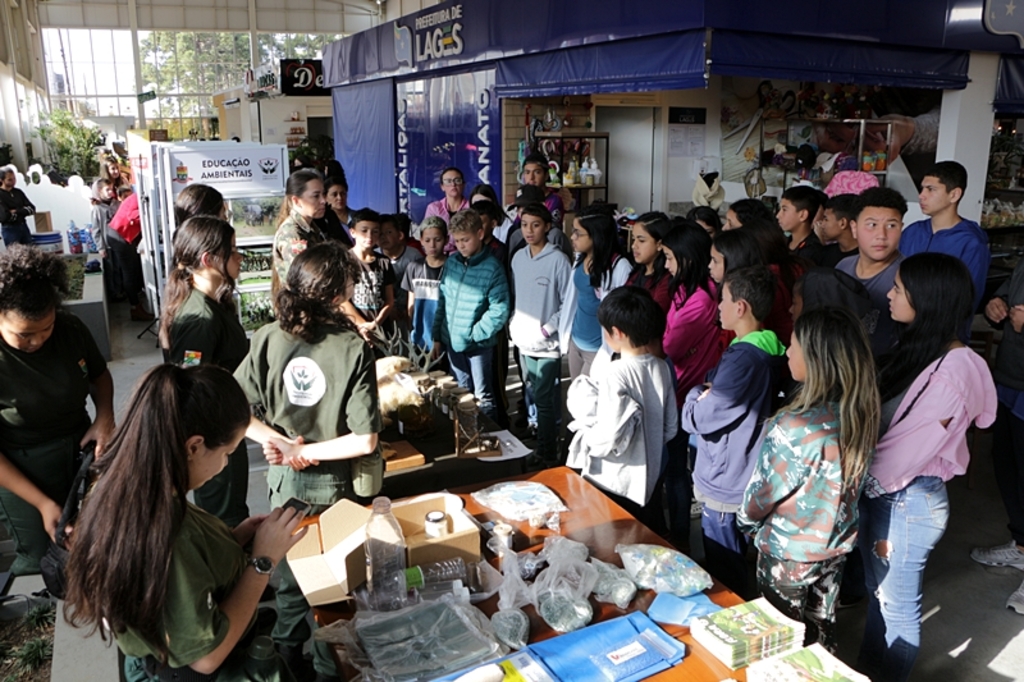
(814, 149)
(571, 149)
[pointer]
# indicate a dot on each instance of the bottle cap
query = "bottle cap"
(262, 648)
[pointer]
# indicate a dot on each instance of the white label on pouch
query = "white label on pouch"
(631, 650)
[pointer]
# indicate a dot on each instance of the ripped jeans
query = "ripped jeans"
(897, 533)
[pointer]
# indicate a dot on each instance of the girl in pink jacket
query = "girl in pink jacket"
(691, 344)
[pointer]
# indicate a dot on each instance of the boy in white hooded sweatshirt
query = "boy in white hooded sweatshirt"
(540, 276)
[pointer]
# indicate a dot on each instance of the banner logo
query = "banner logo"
(268, 166)
(434, 36)
(1005, 18)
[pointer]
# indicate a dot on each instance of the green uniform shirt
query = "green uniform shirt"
(206, 563)
(203, 331)
(292, 238)
(319, 391)
(42, 394)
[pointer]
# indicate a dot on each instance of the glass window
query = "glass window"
(92, 72)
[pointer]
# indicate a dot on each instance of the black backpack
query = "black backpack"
(56, 558)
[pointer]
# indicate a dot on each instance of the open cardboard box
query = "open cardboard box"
(330, 562)
(462, 540)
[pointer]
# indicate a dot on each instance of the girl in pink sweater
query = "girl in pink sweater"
(691, 344)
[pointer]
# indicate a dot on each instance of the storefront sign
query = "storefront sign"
(263, 81)
(688, 115)
(431, 36)
(1001, 19)
(246, 171)
(441, 122)
(303, 78)
(147, 96)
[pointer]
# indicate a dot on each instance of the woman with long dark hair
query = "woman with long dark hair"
(756, 245)
(315, 378)
(199, 325)
(49, 366)
(600, 267)
(649, 260)
(337, 218)
(741, 212)
(170, 583)
(932, 388)
(707, 218)
(304, 202)
(691, 342)
(197, 199)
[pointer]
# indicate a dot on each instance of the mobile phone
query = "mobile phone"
(298, 505)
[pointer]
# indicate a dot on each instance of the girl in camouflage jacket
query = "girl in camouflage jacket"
(801, 501)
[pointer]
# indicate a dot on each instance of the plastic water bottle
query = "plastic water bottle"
(437, 572)
(385, 557)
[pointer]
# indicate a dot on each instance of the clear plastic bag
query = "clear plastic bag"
(662, 569)
(520, 500)
(484, 581)
(421, 642)
(511, 625)
(558, 545)
(561, 590)
(614, 586)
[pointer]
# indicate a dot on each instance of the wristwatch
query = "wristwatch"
(262, 564)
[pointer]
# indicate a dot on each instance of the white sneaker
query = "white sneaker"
(1002, 555)
(1016, 600)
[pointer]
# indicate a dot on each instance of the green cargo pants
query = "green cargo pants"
(51, 467)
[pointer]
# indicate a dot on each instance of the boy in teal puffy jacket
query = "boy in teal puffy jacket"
(472, 311)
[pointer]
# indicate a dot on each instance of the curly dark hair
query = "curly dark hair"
(32, 282)
(317, 277)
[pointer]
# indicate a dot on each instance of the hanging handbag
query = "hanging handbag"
(56, 558)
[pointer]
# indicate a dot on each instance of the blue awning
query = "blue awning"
(801, 58)
(364, 142)
(1010, 86)
(671, 62)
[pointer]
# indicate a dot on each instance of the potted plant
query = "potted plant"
(71, 144)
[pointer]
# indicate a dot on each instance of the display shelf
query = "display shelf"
(563, 156)
(800, 131)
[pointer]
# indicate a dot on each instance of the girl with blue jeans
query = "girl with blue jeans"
(933, 388)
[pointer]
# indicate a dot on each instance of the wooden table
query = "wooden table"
(600, 524)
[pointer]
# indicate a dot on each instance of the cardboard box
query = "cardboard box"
(462, 540)
(42, 221)
(330, 562)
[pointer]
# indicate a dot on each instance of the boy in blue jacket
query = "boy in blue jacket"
(727, 414)
(472, 309)
(944, 231)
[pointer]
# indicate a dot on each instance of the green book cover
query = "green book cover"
(811, 664)
(753, 625)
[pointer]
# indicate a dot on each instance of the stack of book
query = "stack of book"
(813, 664)
(747, 633)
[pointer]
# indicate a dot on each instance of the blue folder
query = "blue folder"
(631, 647)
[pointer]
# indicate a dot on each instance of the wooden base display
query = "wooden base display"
(401, 455)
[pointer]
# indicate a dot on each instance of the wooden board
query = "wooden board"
(402, 455)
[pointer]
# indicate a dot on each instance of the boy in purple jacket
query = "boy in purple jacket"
(727, 413)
